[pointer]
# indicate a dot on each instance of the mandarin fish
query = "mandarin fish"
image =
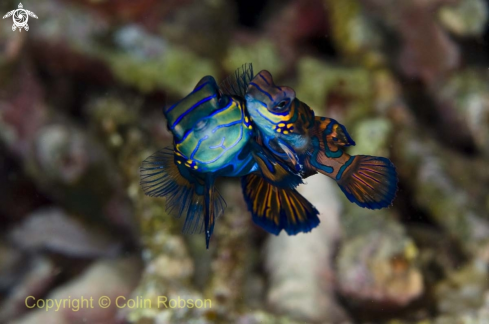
(212, 137)
(271, 198)
(309, 144)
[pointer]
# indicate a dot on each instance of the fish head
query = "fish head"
(271, 107)
(209, 127)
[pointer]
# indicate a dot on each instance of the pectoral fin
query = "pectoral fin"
(293, 159)
(274, 171)
(184, 193)
(275, 209)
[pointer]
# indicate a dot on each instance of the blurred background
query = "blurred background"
(81, 95)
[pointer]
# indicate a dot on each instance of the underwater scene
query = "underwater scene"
(244, 161)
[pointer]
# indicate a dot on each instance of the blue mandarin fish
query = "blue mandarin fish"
(213, 137)
(309, 144)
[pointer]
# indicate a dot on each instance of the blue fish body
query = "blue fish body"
(210, 130)
(213, 137)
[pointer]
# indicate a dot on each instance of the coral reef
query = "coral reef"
(81, 95)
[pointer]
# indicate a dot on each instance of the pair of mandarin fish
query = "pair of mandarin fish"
(248, 127)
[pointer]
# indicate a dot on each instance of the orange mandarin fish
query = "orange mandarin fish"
(288, 128)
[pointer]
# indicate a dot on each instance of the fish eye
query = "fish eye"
(282, 104)
(201, 125)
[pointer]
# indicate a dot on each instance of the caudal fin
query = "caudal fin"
(274, 209)
(368, 181)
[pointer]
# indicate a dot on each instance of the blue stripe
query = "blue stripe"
(226, 125)
(279, 154)
(188, 132)
(343, 167)
(332, 154)
(348, 138)
(173, 106)
(243, 164)
(329, 153)
(262, 103)
(271, 122)
(224, 151)
(285, 113)
(313, 159)
(195, 90)
(261, 90)
(329, 128)
(263, 78)
(220, 145)
(200, 87)
(179, 119)
(198, 145)
(248, 162)
(268, 164)
(222, 109)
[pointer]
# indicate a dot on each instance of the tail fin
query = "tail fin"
(274, 209)
(368, 181)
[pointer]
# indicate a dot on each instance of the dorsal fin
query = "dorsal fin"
(340, 136)
(237, 83)
(334, 133)
(264, 79)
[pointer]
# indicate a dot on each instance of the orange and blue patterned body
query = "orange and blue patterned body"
(313, 144)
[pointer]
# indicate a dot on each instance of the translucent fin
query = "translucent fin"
(161, 177)
(341, 137)
(293, 159)
(274, 209)
(273, 170)
(368, 181)
(237, 83)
